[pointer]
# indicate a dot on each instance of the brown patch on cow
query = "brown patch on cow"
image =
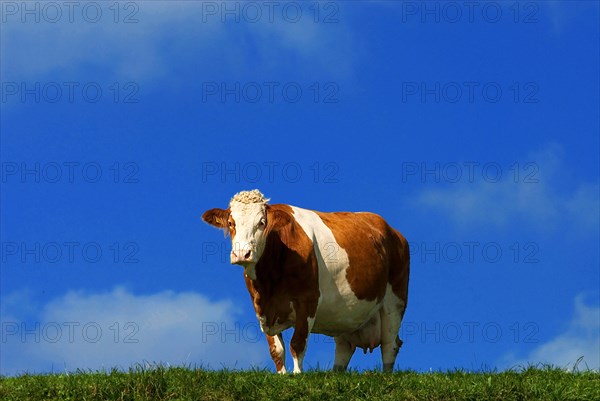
(277, 219)
(286, 274)
(372, 264)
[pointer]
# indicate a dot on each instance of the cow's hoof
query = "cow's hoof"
(388, 367)
(338, 368)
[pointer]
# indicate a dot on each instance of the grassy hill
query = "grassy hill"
(196, 384)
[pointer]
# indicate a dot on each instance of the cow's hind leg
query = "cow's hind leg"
(343, 353)
(277, 349)
(392, 313)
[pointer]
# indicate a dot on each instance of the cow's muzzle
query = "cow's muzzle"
(242, 256)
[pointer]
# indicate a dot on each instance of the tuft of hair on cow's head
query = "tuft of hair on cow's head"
(249, 220)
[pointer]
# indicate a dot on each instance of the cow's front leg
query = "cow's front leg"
(277, 348)
(299, 341)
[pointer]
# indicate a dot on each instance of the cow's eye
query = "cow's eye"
(262, 222)
(230, 224)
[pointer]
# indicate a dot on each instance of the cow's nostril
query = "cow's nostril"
(247, 255)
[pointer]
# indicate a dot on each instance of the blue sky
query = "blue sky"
(472, 131)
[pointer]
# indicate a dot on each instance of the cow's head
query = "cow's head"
(249, 220)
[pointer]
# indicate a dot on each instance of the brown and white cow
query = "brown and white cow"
(341, 274)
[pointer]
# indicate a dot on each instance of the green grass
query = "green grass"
(196, 384)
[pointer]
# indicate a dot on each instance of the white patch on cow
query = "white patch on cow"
(393, 302)
(339, 311)
(298, 360)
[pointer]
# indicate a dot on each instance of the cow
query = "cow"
(340, 274)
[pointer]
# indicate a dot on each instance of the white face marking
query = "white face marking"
(249, 242)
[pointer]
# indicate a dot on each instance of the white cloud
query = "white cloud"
(580, 339)
(144, 51)
(542, 204)
(120, 329)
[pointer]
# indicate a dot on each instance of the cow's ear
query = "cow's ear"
(277, 219)
(216, 217)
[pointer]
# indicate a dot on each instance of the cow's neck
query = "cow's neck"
(270, 269)
(286, 255)
(286, 274)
